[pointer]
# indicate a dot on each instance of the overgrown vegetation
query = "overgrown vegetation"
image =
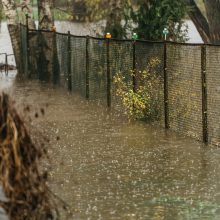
(149, 18)
(1, 14)
(24, 184)
(143, 100)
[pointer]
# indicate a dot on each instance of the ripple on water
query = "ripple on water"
(108, 168)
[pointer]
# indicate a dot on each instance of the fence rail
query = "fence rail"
(190, 75)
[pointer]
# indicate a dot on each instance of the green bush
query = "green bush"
(149, 18)
(144, 101)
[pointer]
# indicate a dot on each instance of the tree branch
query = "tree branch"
(199, 21)
(213, 16)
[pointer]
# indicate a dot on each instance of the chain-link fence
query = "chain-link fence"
(189, 84)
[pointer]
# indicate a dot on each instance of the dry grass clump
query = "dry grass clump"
(24, 185)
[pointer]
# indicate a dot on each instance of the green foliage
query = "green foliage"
(116, 29)
(1, 12)
(143, 102)
(150, 17)
(147, 18)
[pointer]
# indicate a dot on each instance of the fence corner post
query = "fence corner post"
(166, 95)
(204, 95)
(87, 67)
(69, 63)
(108, 72)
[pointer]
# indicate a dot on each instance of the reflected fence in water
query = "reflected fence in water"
(190, 81)
(7, 62)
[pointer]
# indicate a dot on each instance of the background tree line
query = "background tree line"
(149, 17)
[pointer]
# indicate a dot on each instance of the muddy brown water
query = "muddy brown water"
(106, 167)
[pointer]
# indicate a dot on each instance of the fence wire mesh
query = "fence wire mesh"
(33, 51)
(145, 54)
(61, 58)
(24, 49)
(97, 70)
(88, 66)
(121, 62)
(213, 92)
(78, 65)
(185, 89)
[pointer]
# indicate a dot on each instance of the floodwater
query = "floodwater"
(106, 167)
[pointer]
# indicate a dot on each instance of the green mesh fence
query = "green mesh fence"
(97, 67)
(78, 65)
(213, 92)
(24, 51)
(33, 53)
(185, 89)
(61, 58)
(186, 95)
(147, 52)
(121, 61)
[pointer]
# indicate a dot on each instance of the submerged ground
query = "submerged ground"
(105, 167)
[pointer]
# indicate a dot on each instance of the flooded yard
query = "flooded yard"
(106, 167)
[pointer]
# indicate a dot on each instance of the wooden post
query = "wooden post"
(69, 63)
(87, 67)
(108, 74)
(204, 95)
(166, 98)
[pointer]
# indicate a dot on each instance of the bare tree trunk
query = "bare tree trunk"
(199, 21)
(213, 15)
(208, 28)
(114, 18)
(46, 21)
(9, 8)
(47, 39)
(27, 10)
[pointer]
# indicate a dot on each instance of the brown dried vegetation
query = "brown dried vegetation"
(24, 185)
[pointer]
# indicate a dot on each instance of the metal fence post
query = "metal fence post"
(204, 95)
(54, 55)
(21, 70)
(6, 64)
(108, 74)
(134, 66)
(69, 63)
(87, 67)
(27, 44)
(166, 98)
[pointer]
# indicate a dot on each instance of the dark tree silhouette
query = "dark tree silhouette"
(208, 26)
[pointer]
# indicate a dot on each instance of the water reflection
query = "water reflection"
(108, 168)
